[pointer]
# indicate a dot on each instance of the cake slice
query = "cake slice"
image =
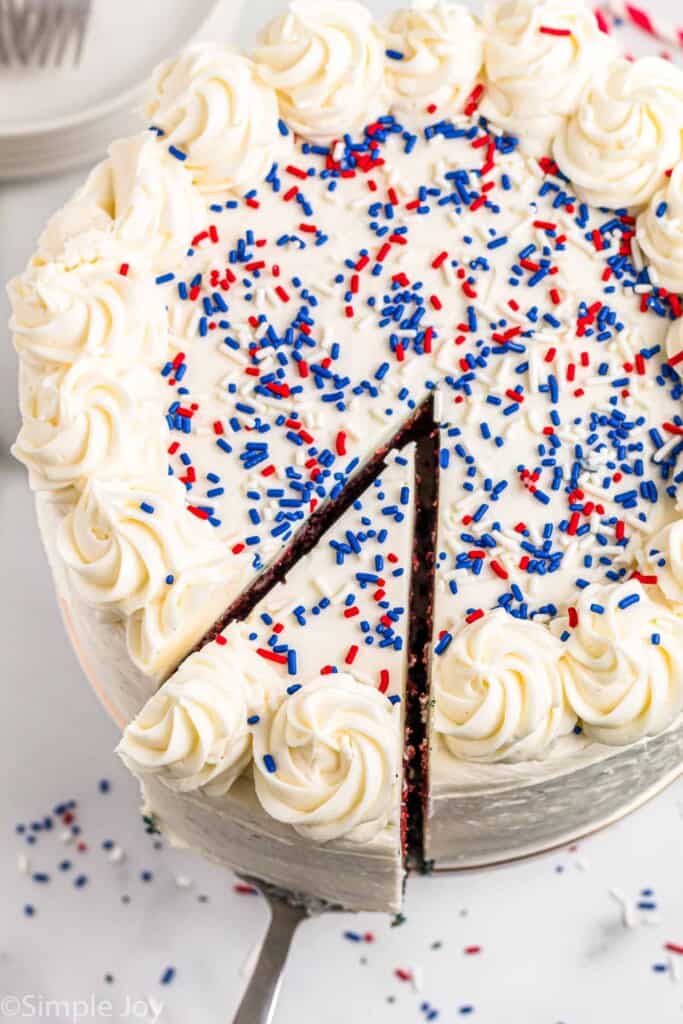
(277, 749)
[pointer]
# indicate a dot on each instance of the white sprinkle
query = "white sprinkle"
(628, 916)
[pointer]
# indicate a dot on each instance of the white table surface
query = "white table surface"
(557, 946)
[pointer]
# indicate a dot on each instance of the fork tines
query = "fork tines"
(39, 32)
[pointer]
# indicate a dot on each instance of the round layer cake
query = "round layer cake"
(351, 404)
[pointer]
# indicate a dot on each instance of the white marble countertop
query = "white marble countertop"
(556, 944)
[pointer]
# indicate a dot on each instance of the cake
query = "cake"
(334, 795)
(351, 407)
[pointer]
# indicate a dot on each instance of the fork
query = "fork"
(287, 911)
(39, 32)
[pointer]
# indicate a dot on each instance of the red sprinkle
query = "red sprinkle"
(351, 654)
(499, 570)
(279, 659)
(473, 100)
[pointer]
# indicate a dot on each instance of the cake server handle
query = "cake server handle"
(260, 999)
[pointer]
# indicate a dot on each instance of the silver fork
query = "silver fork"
(287, 911)
(41, 32)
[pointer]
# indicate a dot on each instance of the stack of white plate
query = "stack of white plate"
(52, 119)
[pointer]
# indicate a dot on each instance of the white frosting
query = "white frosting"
(212, 106)
(138, 206)
(317, 635)
(534, 78)
(194, 731)
(625, 133)
(326, 62)
(498, 692)
(59, 316)
(336, 751)
(160, 633)
(620, 682)
(664, 553)
(442, 52)
(659, 233)
(92, 418)
(120, 554)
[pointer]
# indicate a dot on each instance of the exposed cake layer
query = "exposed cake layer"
(287, 729)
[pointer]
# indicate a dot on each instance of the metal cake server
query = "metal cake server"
(287, 911)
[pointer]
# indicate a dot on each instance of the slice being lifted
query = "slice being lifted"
(277, 749)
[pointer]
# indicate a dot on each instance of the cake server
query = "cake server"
(287, 911)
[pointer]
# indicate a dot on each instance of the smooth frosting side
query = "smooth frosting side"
(61, 315)
(194, 731)
(125, 539)
(325, 60)
(625, 134)
(93, 418)
(138, 206)
(434, 56)
(233, 832)
(659, 232)
(328, 761)
(498, 691)
(211, 105)
(538, 58)
(622, 663)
